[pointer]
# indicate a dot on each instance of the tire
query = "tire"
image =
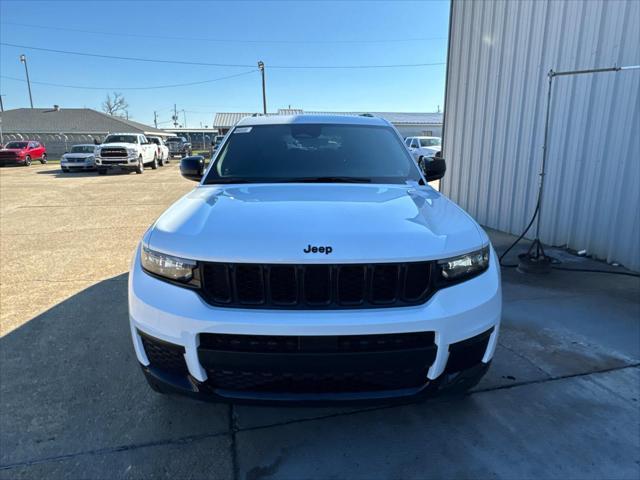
(43, 160)
(27, 161)
(154, 164)
(102, 171)
(65, 170)
(161, 161)
(140, 167)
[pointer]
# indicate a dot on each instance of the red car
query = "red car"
(23, 152)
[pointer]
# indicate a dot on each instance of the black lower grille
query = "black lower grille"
(163, 355)
(316, 344)
(331, 382)
(317, 286)
(317, 364)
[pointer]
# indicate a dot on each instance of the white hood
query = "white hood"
(117, 145)
(263, 223)
(78, 155)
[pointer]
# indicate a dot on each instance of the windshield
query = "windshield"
(310, 152)
(154, 140)
(429, 142)
(121, 139)
(174, 139)
(82, 149)
(16, 145)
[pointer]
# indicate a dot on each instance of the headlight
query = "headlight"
(170, 267)
(132, 151)
(90, 158)
(463, 267)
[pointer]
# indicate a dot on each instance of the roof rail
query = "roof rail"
(367, 115)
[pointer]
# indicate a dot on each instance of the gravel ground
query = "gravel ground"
(60, 233)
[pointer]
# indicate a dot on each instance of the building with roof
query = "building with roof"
(60, 128)
(408, 124)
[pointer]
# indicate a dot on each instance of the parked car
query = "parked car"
(179, 146)
(23, 152)
(163, 150)
(313, 262)
(80, 157)
(127, 151)
(423, 146)
(215, 144)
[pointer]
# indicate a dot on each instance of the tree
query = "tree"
(115, 105)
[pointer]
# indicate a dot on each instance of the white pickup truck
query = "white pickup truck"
(127, 151)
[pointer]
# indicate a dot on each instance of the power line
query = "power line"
(154, 87)
(183, 62)
(116, 57)
(227, 40)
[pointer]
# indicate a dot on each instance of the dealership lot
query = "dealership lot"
(561, 399)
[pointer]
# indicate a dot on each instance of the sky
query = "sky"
(281, 34)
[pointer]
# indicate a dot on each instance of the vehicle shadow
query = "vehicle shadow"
(71, 383)
(58, 173)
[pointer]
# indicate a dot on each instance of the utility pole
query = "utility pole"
(23, 59)
(264, 89)
(184, 117)
(155, 118)
(175, 116)
(1, 104)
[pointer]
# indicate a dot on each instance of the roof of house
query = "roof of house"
(69, 120)
(226, 120)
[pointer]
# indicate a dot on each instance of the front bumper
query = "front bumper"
(5, 162)
(462, 322)
(129, 162)
(78, 165)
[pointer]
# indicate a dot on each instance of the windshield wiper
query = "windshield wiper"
(225, 181)
(328, 180)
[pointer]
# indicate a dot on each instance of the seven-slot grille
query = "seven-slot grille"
(113, 152)
(316, 286)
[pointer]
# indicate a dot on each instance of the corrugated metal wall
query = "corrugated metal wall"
(500, 53)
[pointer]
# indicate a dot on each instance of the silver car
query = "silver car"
(80, 157)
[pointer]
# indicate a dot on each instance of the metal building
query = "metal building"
(499, 55)
(408, 124)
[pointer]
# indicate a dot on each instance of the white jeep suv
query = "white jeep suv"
(313, 263)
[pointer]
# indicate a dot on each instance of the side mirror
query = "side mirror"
(192, 168)
(433, 168)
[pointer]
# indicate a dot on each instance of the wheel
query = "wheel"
(161, 161)
(140, 167)
(27, 161)
(154, 164)
(102, 171)
(43, 160)
(65, 170)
